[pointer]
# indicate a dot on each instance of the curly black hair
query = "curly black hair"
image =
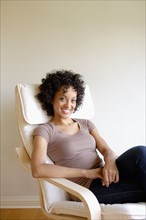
(53, 83)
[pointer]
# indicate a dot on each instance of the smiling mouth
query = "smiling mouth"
(66, 111)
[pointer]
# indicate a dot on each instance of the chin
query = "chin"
(66, 116)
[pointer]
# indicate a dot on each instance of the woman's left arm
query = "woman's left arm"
(110, 171)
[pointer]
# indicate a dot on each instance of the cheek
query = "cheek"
(75, 105)
(57, 105)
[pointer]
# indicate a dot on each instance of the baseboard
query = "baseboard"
(20, 202)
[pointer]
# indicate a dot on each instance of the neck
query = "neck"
(61, 121)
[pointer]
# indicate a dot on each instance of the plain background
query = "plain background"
(102, 40)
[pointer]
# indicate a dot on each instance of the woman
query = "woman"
(73, 144)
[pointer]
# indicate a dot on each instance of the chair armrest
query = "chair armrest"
(24, 158)
(82, 193)
(85, 195)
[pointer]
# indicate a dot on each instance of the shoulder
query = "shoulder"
(86, 124)
(44, 127)
(44, 130)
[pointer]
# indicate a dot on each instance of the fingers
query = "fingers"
(94, 173)
(110, 176)
(106, 179)
(117, 177)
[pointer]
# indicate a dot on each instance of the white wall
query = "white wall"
(103, 40)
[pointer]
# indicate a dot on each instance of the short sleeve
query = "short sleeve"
(86, 124)
(90, 125)
(43, 131)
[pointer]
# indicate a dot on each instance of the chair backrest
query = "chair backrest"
(29, 115)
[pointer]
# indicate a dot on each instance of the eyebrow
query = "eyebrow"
(66, 96)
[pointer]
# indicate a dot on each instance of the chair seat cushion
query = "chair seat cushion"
(129, 211)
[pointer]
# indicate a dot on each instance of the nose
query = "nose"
(68, 104)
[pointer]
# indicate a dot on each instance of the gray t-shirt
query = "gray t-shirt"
(77, 151)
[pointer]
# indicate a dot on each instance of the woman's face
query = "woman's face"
(64, 102)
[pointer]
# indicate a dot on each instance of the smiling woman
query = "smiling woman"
(73, 145)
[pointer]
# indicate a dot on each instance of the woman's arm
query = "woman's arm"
(42, 170)
(110, 171)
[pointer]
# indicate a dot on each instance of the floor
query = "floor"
(22, 214)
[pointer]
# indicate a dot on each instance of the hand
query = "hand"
(110, 174)
(94, 173)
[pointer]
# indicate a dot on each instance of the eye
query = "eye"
(73, 101)
(62, 98)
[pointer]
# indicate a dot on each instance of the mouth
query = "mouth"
(66, 111)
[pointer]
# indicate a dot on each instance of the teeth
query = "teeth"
(66, 111)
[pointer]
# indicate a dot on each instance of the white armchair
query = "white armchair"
(55, 192)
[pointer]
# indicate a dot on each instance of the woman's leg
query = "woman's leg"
(120, 192)
(132, 184)
(132, 165)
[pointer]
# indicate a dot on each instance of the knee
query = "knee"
(140, 151)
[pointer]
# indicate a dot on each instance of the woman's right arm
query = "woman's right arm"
(40, 169)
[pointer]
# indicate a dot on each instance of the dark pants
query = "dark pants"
(132, 184)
